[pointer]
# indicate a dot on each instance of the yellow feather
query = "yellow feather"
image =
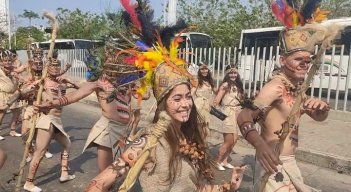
(173, 50)
(146, 65)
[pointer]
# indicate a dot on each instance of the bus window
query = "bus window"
(344, 39)
(83, 44)
(70, 44)
(58, 45)
(260, 39)
(200, 41)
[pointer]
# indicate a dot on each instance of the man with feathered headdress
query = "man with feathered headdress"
(280, 104)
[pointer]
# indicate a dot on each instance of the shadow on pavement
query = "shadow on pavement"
(75, 165)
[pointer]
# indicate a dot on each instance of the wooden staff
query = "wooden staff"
(53, 20)
(152, 107)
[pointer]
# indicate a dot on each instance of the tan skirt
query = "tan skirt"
(105, 133)
(45, 121)
(203, 108)
(229, 124)
(291, 180)
(28, 115)
(4, 97)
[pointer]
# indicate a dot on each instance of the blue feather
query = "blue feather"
(308, 8)
(142, 45)
(281, 5)
(129, 78)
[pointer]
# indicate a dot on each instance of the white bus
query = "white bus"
(260, 52)
(194, 41)
(69, 44)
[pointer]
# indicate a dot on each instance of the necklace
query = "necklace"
(289, 86)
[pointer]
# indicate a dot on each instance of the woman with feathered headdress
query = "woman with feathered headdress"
(171, 154)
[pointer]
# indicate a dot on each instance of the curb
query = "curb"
(338, 163)
(322, 159)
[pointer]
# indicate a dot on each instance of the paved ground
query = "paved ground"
(79, 118)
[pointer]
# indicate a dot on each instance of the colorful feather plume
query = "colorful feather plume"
(292, 13)
(309, 8)
(155, 44)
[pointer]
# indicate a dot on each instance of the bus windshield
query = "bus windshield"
(200, 41)
(69, 44)
(195, 40)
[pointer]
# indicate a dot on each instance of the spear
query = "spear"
(54, 23)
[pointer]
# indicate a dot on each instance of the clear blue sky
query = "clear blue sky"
(93, 6)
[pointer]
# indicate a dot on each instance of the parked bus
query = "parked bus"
(69, 44)
(260, 52)
(192, 41)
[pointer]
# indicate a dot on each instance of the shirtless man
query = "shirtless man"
(8, 85)
(115, 115)
(276, 169)
(28, 91)
(49, 125)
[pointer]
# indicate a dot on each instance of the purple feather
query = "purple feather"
(308, 8)
(281, 5)
(142, 45)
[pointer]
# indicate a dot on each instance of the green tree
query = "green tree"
(29, 15)
(75, 24)
(23, 33)
(224, 19)
(338, 8)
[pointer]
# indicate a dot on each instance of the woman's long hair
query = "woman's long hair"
(208, 78)
(192, 130)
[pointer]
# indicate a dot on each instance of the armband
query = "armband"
(246, 128)
(133, 152)
(262, 108)
(63, 101)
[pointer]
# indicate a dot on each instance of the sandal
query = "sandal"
(65, 156)
(34, 189)
(15, 134)
(67, 178)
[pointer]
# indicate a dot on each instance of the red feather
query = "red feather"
(278, 14)
(130, 60)
(131, 11)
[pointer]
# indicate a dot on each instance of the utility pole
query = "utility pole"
(8, 17)
(172, 12)
(165, 3)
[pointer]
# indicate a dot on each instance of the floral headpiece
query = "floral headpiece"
(231, 69)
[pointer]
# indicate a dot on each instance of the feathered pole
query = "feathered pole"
(53, 20)
(30, 40)
(29, 43)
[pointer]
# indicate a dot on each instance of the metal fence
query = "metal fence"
(331, 83)
(76, 58)
(255, 65)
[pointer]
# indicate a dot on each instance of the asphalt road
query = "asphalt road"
(79, 118)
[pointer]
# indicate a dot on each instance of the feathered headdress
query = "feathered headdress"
(293, 13)
(155, 45)
(302, 29)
